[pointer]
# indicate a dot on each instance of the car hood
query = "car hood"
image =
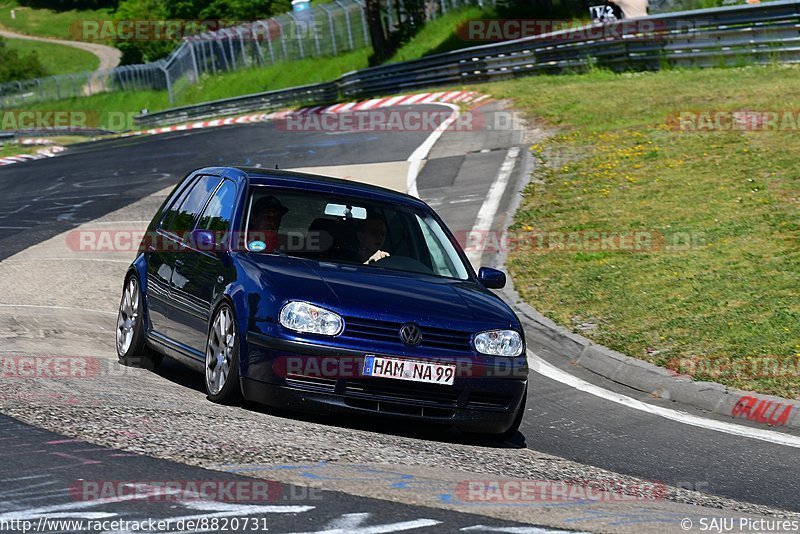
(383, 294)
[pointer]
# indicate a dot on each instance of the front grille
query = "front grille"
(483, 400)
(311, 382)
(372, 330)
(403, 391)
(400, 409)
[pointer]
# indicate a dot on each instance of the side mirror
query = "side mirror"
(206, 241)
(492, 278)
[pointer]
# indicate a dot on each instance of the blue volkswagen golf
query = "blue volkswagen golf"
(323, 295)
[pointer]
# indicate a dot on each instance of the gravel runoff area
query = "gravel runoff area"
(60, 301)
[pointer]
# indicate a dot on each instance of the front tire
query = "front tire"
(132, 350)
(512, 430)
(222, 358)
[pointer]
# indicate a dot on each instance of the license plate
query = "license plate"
(431, 373)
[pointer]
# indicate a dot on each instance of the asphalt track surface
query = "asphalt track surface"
(41, 200)
(47, 479)
(47, 197)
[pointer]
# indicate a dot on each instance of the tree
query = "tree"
(14, 66)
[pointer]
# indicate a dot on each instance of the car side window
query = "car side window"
(219, 212)
(180, 218)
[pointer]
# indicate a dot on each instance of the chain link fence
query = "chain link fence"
(323, 30)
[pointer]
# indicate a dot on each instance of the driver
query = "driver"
(371, 235)
(265, 220)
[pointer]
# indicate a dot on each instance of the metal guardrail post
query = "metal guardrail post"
(268, 35)
(194, 61)
(347, 23)
(169, 85)
(74, 87)
(283, 39)
(212, 53)
(254, 37)
(241, 45)
(297, 35)
(203, 57)
(223, 54)
(363, 10)
(230, 47)
(316, 35)
(330, 27)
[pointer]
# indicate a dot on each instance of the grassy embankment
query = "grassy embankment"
(725, 307)
(56, 58)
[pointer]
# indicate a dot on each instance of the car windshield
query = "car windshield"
(342, 229)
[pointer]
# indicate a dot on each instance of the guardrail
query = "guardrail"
(322, 92)
(728, 36)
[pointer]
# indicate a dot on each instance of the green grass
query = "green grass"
(715, 309)
(56, 58)
(46, 22)
(282, 75)
(110, 110)
(440, 35)
(13, 149)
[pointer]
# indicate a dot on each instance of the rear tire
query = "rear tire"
(222, 358)
(132, 349)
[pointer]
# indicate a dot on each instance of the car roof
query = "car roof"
(318, 182)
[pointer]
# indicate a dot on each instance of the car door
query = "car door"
(160, 253)
(173, 234)
(202, 271)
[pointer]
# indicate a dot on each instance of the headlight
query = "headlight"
(305, 317)
(499, 343)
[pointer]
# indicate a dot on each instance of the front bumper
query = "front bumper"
(480, 400)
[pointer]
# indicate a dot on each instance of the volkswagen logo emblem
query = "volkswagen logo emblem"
(410, 334)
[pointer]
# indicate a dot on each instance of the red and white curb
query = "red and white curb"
(48, 152)
(37, 141)
(443, 97)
